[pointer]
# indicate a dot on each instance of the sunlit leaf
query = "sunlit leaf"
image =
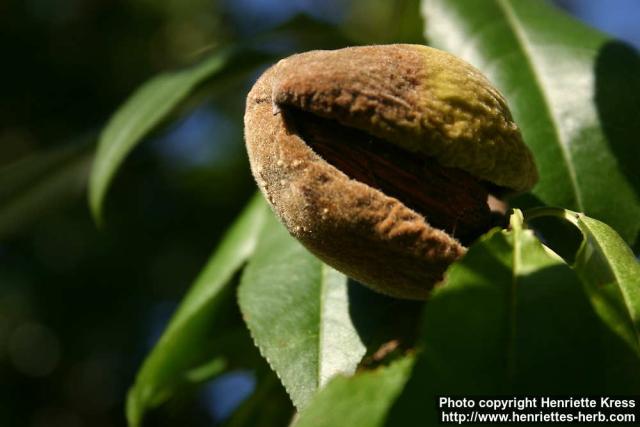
(297, 310)
(182, 354)
(573, 91)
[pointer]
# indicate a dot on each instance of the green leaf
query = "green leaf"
(606, 264)
(609, 270)
(513, 318)
(147, 108)
(297, 310)
(41, 182)
(362, 400)
(573, 91)
(161, 97)
(182, 354)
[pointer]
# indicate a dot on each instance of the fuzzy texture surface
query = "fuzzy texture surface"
(351, 226)
(422, 99)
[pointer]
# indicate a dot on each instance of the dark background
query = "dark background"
(80, 307)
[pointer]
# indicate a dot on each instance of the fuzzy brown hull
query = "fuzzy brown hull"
(351, 226)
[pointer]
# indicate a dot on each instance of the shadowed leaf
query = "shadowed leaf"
(362, 400)
(512, 318)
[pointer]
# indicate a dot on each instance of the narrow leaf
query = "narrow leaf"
(160, 98)
(148, 107)
(512, 318)
(297, 310)
(607, 265)
(609, 270)
(573, 91)
(181, 354)
(362, 400)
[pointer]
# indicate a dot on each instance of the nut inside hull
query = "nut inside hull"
(449, 199)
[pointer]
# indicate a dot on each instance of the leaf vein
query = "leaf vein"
(521, 37)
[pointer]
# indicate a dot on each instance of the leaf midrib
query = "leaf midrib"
(519, 33)
(613, 271)
(515, 268)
